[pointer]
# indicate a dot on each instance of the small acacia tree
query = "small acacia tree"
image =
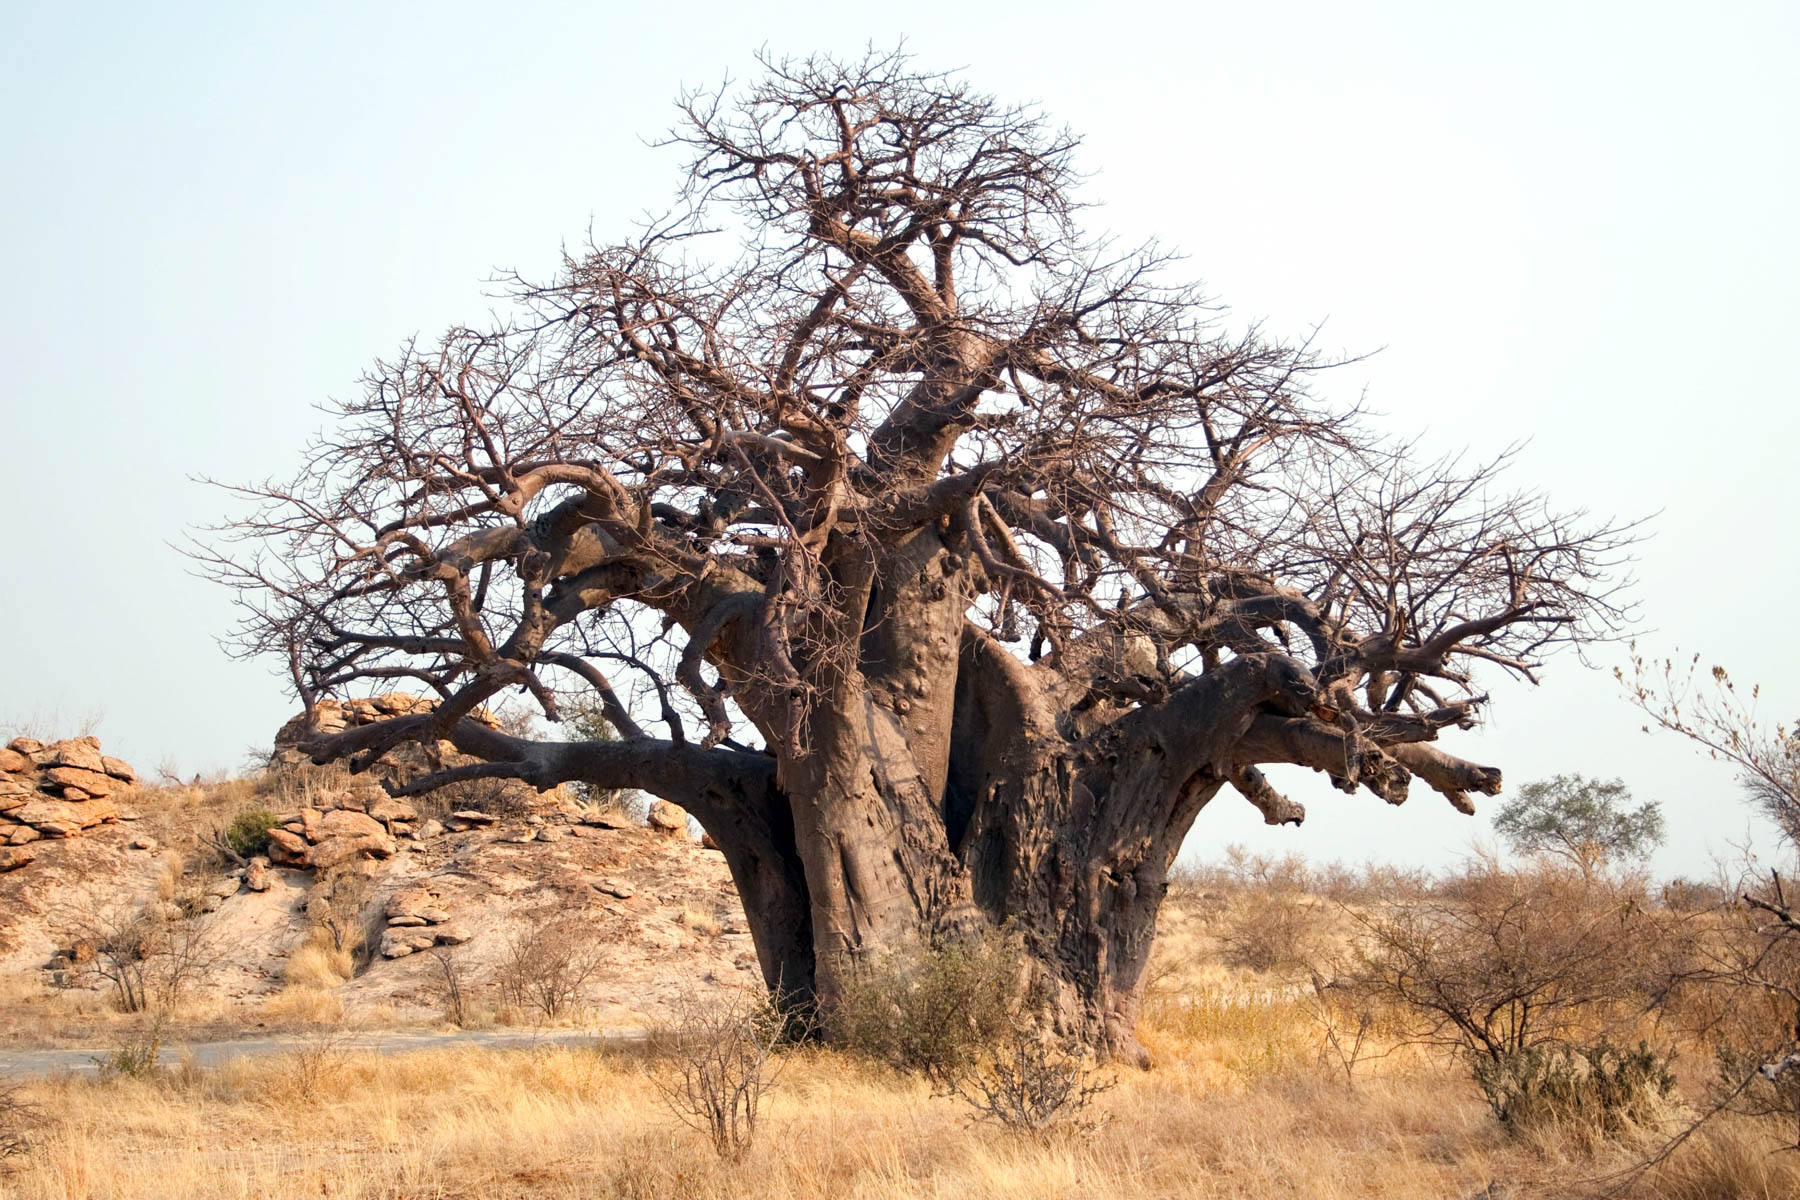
(1588, 822)
(962, 557)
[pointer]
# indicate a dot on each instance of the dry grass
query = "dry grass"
(568, 1123)
(1241, 1103)
(705, 924)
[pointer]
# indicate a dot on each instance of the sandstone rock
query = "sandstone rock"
(25, 745)
(12, 760)
(433, 915)
(334, 850)
(429, 829)
(118, 768)
(707, 843)
(550, 833)
(73, 795)
(256, 875)
(451, 935)
(604, 819)
(473, 816)
(13, 794)
(22, 835)
(407, 921)
(346, 822)
(309, 824)
(226, 887)
(144, 841)
(616, 888)
(93, 783)
(12, 860)
(407, 902)
(59, 818)
(398, 943)
(287, 848)
(668, 818)
(389, 809)
(74, 752)
(520, 838)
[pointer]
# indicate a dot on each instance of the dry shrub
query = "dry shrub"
(1500, 961)
(932, 1007)
(546, 967)
(1026, 1082)
(151, 954)
(141, 1054)
(721, 1062)
(449, 987)
(17, 1118)
(1601, 1088)
(343, 914)
(1272, 931)
(316, 1061)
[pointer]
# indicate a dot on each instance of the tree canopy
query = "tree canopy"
(944, 557)
(1589, 822)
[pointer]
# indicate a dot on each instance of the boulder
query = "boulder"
(346, 822)
(389, 809)
(73, 752)
(287, 849)
(407, 903)
(667, 818)
(13, 761)
(334, 850)
(13, 794)
(398, 943)
(118, 768)
(256, 875)
(429, 830)
(59, 818)
(616, 888)
(25, 745)
(550, 833)
(92, 783)
(12, 859)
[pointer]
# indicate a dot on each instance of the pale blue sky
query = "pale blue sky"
(1570, 223)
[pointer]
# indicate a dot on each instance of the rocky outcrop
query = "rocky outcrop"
(669, 819)
(57, 790)
(329, 716)
(417, 919)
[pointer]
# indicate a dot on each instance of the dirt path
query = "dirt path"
(22, 1063)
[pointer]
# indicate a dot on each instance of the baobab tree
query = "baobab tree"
(943, 560)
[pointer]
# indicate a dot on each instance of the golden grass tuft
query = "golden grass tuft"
(316, 963)
(703, 923)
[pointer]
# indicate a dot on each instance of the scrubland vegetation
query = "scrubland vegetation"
(1317, 1032)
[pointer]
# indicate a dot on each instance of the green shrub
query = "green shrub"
(934, 1007)
(1601, 1087)
(248, 833)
